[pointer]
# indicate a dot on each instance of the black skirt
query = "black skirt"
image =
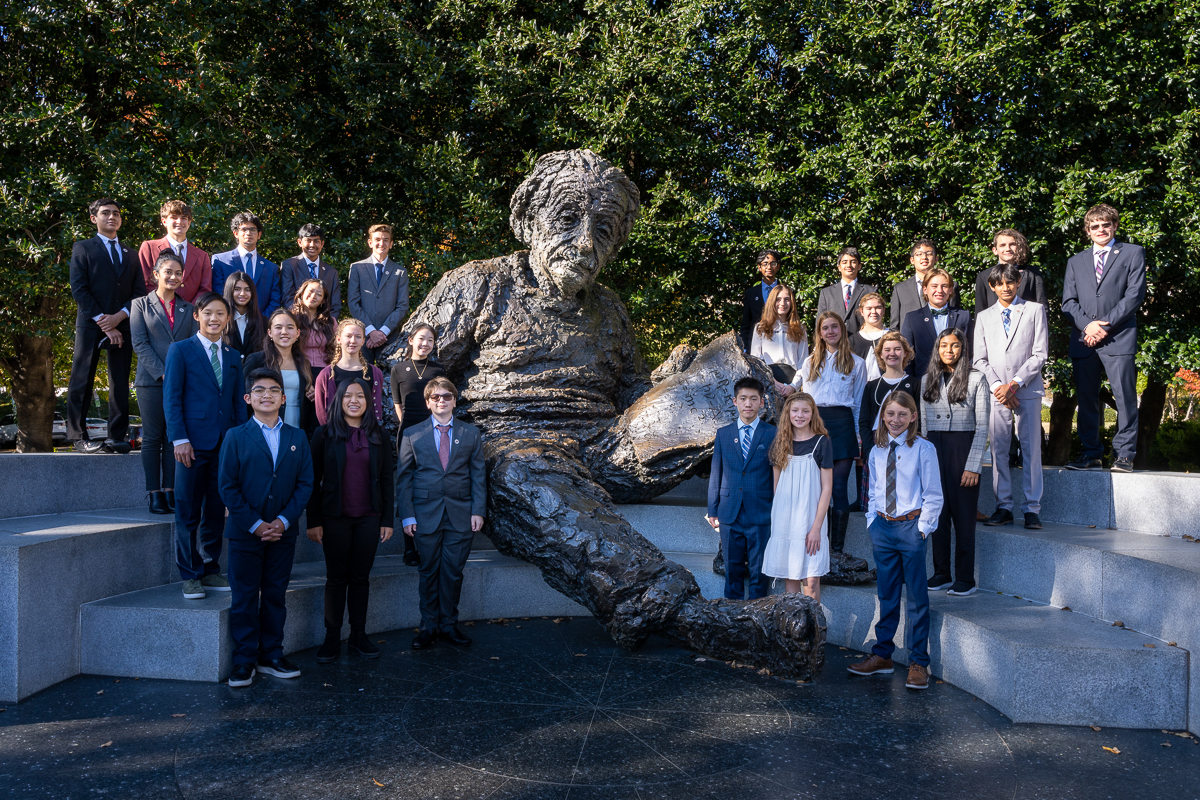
(839, 421)
(784, 373)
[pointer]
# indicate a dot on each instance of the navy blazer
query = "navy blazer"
(196, 409)
(1116, 298)
(918, 329)
(253, 487)
(266, 278)
(741, 490)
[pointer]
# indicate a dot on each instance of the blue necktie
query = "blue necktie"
(745, 442)
(1006, 315)
(378, 274)
(312, 270)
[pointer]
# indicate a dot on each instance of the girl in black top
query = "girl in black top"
(892, 356)
(245, 330)
(411, 374)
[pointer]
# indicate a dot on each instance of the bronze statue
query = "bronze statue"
(548, 368)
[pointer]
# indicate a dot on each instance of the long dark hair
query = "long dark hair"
(421, 326)
(956, 389)
(338, 428)
(254, 318)
(271, 355)
(322, 321)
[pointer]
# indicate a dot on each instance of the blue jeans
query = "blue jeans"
(744, 546)
(900, 561)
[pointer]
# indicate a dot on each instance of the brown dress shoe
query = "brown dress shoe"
(874, 665)
(918, 676)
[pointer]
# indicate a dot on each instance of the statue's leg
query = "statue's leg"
(546, 509)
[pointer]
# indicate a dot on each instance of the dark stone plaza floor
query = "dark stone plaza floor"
(546, 709)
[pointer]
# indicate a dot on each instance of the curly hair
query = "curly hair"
(349, 322)
(781, 448)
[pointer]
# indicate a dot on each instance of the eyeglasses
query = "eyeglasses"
(441, 397)
(259, 391)
(247, 230)
(1099, 226)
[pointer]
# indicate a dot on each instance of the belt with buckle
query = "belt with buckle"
(906, 518)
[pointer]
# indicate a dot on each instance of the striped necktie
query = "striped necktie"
(216, 364)
(1100, 264)
(891, 509)
(745, 442)
(1006, 315)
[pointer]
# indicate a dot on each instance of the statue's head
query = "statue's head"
(574, 212)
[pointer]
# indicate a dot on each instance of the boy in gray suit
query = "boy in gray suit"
(441, 498)
(378, 293)
(1012, 343)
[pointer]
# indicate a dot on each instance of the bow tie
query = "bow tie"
(944, 312)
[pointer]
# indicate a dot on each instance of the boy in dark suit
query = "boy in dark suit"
(378, 292)
(441, 498)
(1010, 246)
(740, 491)
(201, 382)
(1102, 290)
(909, 294)
(247, 229)
(105, 280)
(308, 266)
(266, 481)
(922, 327)
(755, 298)
(845, 295)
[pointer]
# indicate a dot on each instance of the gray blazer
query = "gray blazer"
(1018, 357)
(831, 299)
(971, 414)
(425, 492)
(152, 335)
(382, 306)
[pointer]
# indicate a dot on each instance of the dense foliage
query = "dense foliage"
(802, 126)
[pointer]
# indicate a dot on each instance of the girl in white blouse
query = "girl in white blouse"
(780, 339)
(836, 377)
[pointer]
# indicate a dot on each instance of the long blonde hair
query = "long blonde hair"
(844, 363)
(794, 323)
(781, 448)
(337, 337)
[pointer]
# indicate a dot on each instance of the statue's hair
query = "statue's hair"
(535, 191)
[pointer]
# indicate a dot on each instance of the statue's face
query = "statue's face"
(576, 234)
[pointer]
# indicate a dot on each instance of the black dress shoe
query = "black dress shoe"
(242, 675)
(279, 667)
(412, 559)
(1122, 465)
(170, 496)
(1002, 516)
(1032, 521)
(422, 640)
(158, 503)
(89, 446)
(329, 651)
(1085, 463)
(120, 448)
(359, 643)
(454, 636)
(718, 566)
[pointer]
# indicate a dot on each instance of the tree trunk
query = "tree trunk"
(1062, 414)
(31, 374)
(1150, 414)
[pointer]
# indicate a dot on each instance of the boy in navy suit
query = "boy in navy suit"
(247, 229)
(200, 401)
(922, 327)
(1102, 290)
(740, 491)
(266, 481)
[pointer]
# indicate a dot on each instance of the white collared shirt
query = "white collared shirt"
(852, 284)
(249, 260)
(271, 434)
(778, 348)
(1015, 308)
(241, 320)
(918, 483)
(832, 388)
(1106, 249)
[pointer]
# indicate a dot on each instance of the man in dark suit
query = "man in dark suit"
(922, 327)
(740, 490)
(201, 399)
(266, 479)
(176, 217)
(105, 279)
(844, 296)
(441, 498)
(1010, 247)
(755, 297)
(1102, 290)
(378, 292)
(247, 230)
(293, 272)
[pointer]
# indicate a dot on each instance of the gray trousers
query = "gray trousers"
(443, 555)
(1029, 433)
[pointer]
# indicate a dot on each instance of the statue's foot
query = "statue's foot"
(847, 570)
(785, 633)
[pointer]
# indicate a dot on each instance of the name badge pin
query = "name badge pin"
(293, 447)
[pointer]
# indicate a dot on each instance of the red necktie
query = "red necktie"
(444, 445)
(847, 297)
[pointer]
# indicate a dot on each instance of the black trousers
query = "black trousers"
(959, 508)
(158, 457)
(1122, 377)
(83, 374)
(259, 573)
(349, 544)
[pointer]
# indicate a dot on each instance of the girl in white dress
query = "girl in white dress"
(780, 339)
(802, 457)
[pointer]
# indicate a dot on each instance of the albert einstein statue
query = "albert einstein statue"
(546, 362)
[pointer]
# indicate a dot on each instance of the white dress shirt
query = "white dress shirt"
(271, 434)
(1106, 249)
(779, 349)
(249, 261)
(832, 388)
(241, 320)
(918, 484)
(206, 344)
(852, 285)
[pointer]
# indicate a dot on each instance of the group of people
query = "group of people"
(260, 402)
(861, 393)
